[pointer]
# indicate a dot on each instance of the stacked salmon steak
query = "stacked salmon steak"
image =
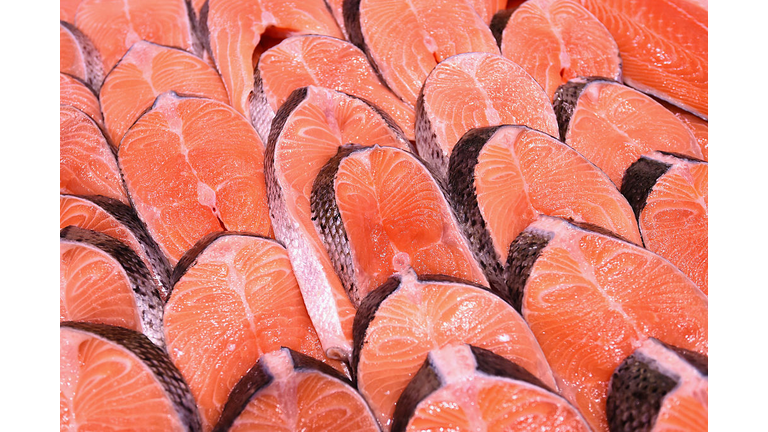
(383, 215)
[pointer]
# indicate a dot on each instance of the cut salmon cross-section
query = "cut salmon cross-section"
(111, 378)
(87, 164)
(79, 57)
(292, 162)
(558, 40)
(699, 128)
(146, 71)
(115, 25)
(235, 29)
(371, 203)
(235, 299)
(290, 391)
(399, 323)
(475, 90)
(463, 387)
(74, 92)
(663, 45)
(104, 281)
(407, 39)
(612, 125)
(502, 177)
(591, 299)
(670, 196)
(194, 166)
(117, 220)
(321, 61)
(660, 388)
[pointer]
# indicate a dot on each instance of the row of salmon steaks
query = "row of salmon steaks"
(383, 215)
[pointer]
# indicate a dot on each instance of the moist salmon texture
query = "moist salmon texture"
(463, 387)
(370, 204)
(87, 164)
(235, 299)
(399, 323)
(208, 162)
(558, 40)
(78, 56)
(475, 90)
(663, 47)
(590, 299)
(292, 162)
(699, 127)
(321, 61)
(74, 92)
(290, 391)
(146, 71)
(670, 196)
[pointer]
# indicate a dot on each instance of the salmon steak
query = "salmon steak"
(475, 90)
(323, 61)
(234, 299)
(291, 164)
(659, 388)
(502, 177)
(74, 92)
(556, 41)
(79, 57)
(612, 125)
(463, 387)
(209, 164)
(146, 71)
(371, 203)
(670, 196)
(116, 379)
(590, 299)
(290, 391)
(699, 127)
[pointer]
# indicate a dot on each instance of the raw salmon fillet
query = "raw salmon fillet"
(290, 391)
(194, 166)
(235, 29)
(612, 125)
(146, 71)
(321, 61)
(488, 8)
(67, 9)
(87, 164)
(398, 324)
(670, 196)
(591, 299)
(79, 57)
(235, 299)
(113, 378)
(699, 127)
(502, 177)
(663, 45)
(117, 220)
(474, 90)
(104, 281)
(463, 387)
(307, 132)
(74, 92)
(660, 388)
(115, 25)
(558, 40)
(371, 203)
(406, 40)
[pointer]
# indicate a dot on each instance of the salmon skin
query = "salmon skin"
(289, 381)
(604, 296)
(112, 217)
(366, 202)
(291, 164)
(659, 387)
(79, 57)
(146, 292)
(463, 387)
(501, 177)
(118, 358)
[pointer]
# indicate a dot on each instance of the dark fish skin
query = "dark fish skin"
(261, 114)
(426, 140)
(429, 379)
(499, 23)
(146, 290)
(638, 387)
(94, 69)
(156, 360)
(259, 377)
(639, 179)
(126, 215)
(566, 98)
